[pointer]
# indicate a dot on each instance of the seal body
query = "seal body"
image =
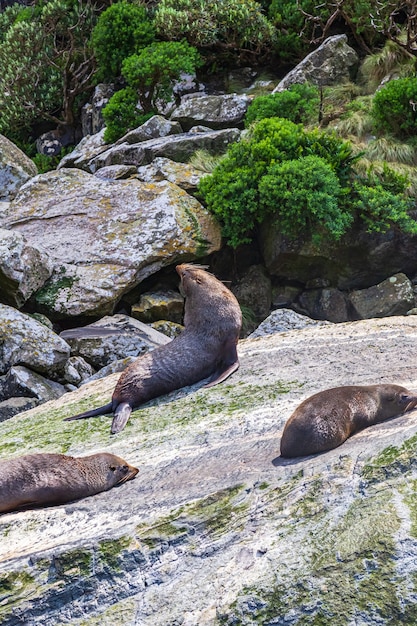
(206, 348)
(45, 479)
(325, 420)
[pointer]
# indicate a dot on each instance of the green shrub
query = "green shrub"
(392, 111)
(232, 192)
(122, 114)
(380, 209)
(122, 29)
(232, 25)
(303, 196)
(299, 103)
(152, 72)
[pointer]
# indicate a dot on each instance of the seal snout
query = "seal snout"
(128, 473)
(410, 401)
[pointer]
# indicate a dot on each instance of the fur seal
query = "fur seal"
(326, 419)
(206, 348)
(45, 479)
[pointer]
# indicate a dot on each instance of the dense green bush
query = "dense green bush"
(303, 194)
(298, 103)
(122, 114)
(305, 181)
(231, 26)
(233, 191)
(392, 110)
(122, 29)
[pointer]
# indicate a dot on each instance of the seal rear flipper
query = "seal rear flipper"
(221, 374)
(121, 416)
(102, 410)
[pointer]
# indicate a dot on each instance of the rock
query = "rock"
(23, 268)
(332, 63)
(324, 304)
(91, 114)
(88, 148)
(77, 370)
(15, 169)
(159, 305)
(170, 329)
(284, 295)
(176, 147)
(213, 111)
(105, 237)
(216, 528)
(254, 294)
(24, 341)
(112, 338)
(21, 381)
(157, 126)
(52, 142)
(185, 176)
(357, 261)
(14, 406)
(394, 296)
(116, 172)
(112, 368)
(284, 320)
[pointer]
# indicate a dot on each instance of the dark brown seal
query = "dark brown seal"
(206, 348)
(325, 420)
(45, 479)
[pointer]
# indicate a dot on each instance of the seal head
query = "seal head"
(326, 419)
(45, 479)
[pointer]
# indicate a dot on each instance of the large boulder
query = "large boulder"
(23, 268)
(217, 528)
(216, 112)
(332, 63)
(105, 237)
(15, 169)
(393, 296)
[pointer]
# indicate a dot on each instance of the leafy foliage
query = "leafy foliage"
(300, 104)
(46, 62)
(393, 110)
(153, 71)
(122, 29)
(232, 25)
(122, 114)
(303, 180)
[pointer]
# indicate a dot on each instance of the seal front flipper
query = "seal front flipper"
(102, 410)
(228, 365)
(121, 416)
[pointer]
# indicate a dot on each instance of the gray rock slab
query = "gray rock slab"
(216, 528)
(224, 111)
(393, 296)
(15, 169)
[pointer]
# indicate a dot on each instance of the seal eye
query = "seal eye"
(113, 468)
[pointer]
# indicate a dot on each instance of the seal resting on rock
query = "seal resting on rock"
(206, 348)
(45, 479)
(325, 420)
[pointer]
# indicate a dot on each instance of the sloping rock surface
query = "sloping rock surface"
(218, 529)
(15, 169)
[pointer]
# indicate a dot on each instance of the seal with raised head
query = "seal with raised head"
(44, 479)
(325, 420)
(206, 348)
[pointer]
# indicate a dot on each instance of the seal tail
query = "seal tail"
(121, 416)
(102, 410)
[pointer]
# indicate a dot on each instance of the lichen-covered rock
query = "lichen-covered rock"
(21, 381)
(89, 147)
(224, 111)
(23, 268)
(77, 370)
(175, 147)
(184, 175)
(91, 113)
(283, 320)
(394, 296)
(217, 528)
(15, 169)
(112, 338)
(24, 341)
(330, 64)
(105, 237)
(14, 406)
(156, 126)
(159, 305)
(254, 293)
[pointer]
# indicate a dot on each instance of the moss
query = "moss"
(110, 551)
(49, 293)
(391, 461)
(15, 587)
(71, 564)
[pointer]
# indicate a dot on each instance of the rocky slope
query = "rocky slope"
(216, 528)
